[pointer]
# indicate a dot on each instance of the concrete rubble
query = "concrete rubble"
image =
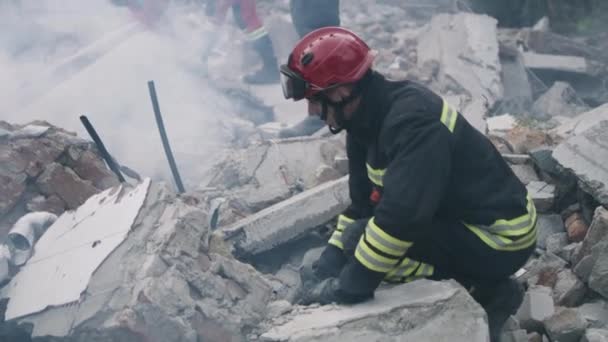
(582, 154)
(465, 48)
(44, 168)
(289, 219)
(221, 262)
(163, 284)
(560, 100)
(424, 305)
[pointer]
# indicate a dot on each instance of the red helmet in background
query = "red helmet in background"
(325, 58)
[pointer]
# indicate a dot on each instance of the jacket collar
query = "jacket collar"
(375, 104)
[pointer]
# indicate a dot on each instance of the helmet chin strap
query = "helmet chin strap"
(338, 107)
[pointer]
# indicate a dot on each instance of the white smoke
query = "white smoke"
(60, 59)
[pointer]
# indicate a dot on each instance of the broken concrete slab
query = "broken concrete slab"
(289, 219)
(561, 99)
(585, 155)
(535, 308)
(583, 122)
(163, 284)
(465, 47)
(266, 173)
(566, 325)
(546, 226)
(538, 61)
(424, 304)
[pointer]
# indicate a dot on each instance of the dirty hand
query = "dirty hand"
(329, 291)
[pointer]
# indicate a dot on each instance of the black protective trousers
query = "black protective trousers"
(454, 251)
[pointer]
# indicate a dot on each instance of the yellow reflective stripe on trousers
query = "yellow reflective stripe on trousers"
(375, 175)
(515, 227)
(404, 269)
(425, 270)
(522, 229)
(371, 259)
(448, 116)
(256, 34)
(403, 272)
(384, 242)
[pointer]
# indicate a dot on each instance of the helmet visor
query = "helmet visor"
(294, 86)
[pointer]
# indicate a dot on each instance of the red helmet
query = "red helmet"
(322, 59)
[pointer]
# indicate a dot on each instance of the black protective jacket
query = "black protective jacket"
(429, 164)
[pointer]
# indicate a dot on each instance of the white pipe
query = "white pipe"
(26, 232)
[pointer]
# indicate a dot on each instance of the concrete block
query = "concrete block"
(595, 313)
(567, 251)
(542, 194)
(527, 175)
(546, 226)
(535, 308)
(561, 99)
(568, 290)
(425, 305)
(555, 242)
(583, 122)
(598, 279)
(585, 155)
(595, 335)
(566, 325)
(539, 61)
(289, 219)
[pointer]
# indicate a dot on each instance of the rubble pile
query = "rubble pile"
(44, 168)
(182, 268)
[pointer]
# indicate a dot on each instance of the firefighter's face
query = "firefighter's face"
(335, 95)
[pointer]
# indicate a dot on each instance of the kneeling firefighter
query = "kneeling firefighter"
(431, 197)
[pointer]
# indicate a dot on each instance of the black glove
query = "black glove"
(329, 291)
(330, 263)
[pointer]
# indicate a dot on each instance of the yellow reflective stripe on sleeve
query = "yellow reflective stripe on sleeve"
(448, 116)
(385, 242)
(336, 239)
(256, 34)
(375, 175)
(372, 260)
(343, 221)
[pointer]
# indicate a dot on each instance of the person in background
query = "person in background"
(246, 16)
